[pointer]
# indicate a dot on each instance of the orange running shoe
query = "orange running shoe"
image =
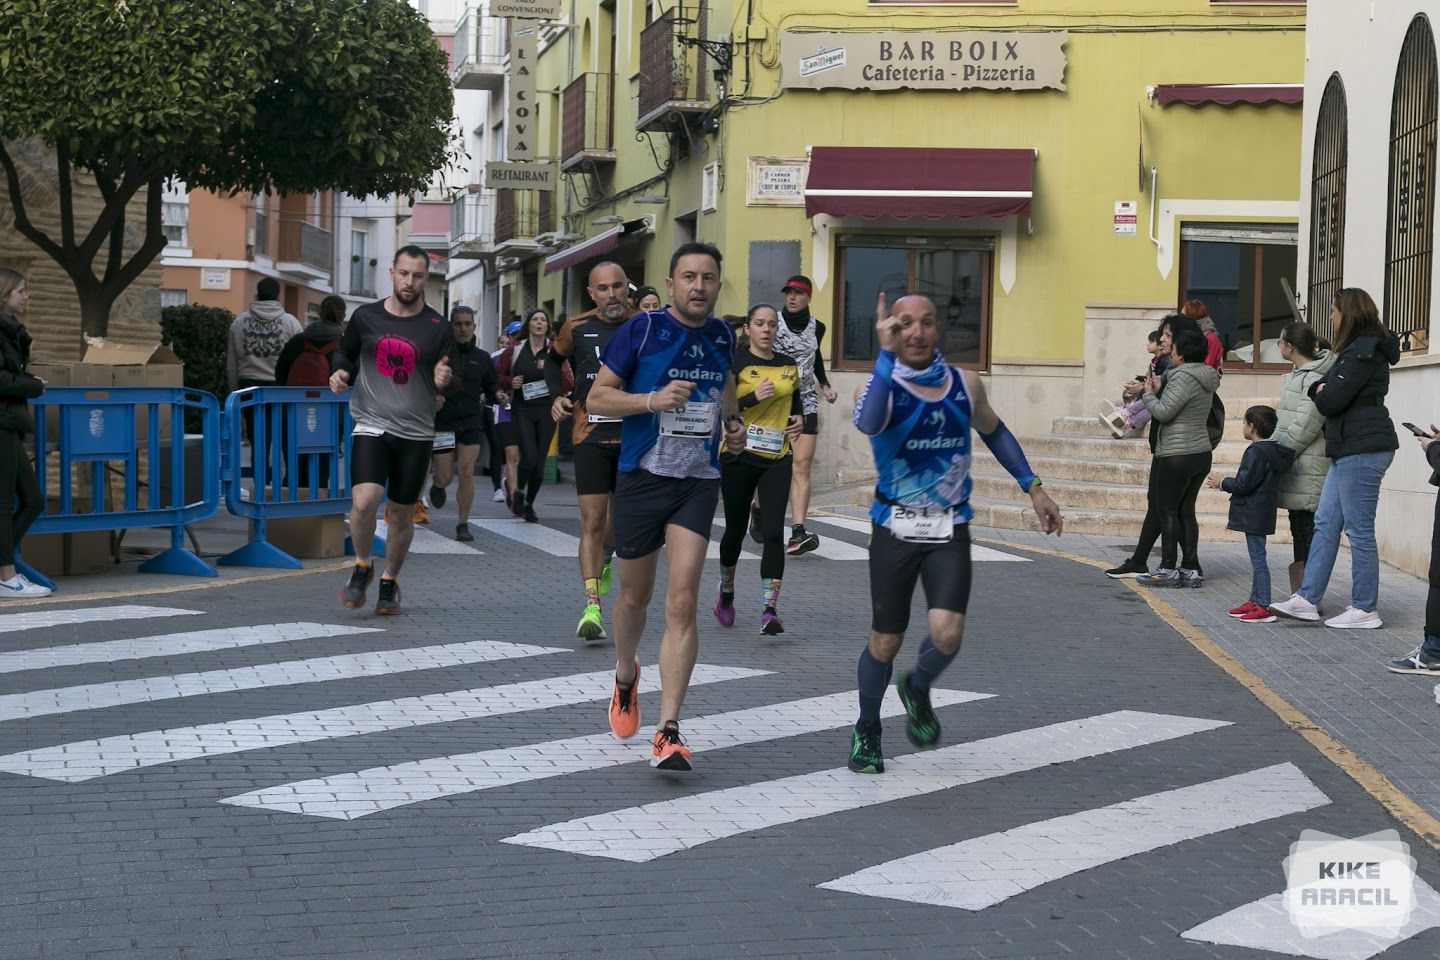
(668, 750)
(625, 717)
(421, 515)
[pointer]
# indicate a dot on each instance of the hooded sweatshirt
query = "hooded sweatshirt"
(256, 338)
(315, 332)
(1214, 349)
(1352, 396)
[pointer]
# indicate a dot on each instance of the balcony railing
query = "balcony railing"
(478, 56)
(472, 225)
(517, 217)
(305, 244)
(672, 74)
(587, 121)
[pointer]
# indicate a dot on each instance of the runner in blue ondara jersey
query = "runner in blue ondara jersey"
(918, 411)
(667, 373)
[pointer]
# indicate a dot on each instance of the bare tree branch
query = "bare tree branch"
(117, 197)
(22, 218)
(64, 171)
(117, 281)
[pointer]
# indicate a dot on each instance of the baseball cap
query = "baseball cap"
(514, 327)
(799, 282)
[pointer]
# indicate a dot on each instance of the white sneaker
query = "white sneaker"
(1353, 619)
(1296, 608)
(17, 587)
(499, 496)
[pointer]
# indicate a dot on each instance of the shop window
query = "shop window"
(954, 272)
(1245, 276)
(172, 298)
(1410, 229)
(1327, 206)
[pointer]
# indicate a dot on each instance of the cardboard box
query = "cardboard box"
(309, 538)
(89, 552)
(111, 364)
(45, 552)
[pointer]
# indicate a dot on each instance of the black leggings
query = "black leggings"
(493, 447)
(1175, 484)
(534, 427)
(1302, 531)
(739, 479)
(20, 500)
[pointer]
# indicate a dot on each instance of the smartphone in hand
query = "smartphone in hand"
(1414, 429)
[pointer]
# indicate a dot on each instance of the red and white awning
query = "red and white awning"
(1226, 94)
(585, 250)
(930, 182)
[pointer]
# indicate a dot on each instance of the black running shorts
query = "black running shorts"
(645, 504)
(597, 465)
(811, 426)
(942, 568)
(391, 461)
(505, 434)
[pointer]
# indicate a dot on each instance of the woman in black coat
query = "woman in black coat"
(19, 488)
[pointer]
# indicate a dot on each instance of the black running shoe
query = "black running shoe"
(353, 594)
(801, 541)
(437, 496)
(388, 602)
(530, 514)
(517, 504)
(865, 753)
(1128, 570)
(463, 534)
(922, 727)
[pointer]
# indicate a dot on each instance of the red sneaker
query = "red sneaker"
(1243, 609)
(1259, 615)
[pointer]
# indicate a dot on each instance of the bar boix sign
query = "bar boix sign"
(922, 60)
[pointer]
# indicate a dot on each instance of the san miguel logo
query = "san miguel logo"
(923, 60)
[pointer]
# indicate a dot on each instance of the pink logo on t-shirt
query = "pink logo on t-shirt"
(395, 358)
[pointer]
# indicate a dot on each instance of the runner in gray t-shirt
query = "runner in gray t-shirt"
(400, 350)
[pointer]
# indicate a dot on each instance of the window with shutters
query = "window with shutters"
(1410, 230)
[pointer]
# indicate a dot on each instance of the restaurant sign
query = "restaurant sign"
(930, 60)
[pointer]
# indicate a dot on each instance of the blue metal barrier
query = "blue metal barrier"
(106, 426)
(298, 461)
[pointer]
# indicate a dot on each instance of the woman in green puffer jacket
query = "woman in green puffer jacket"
(1182, 456)
(1301, 430)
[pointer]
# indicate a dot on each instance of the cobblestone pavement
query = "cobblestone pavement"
(253, 771)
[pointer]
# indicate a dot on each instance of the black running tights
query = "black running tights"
(534, 428)
(739, 480)
(1302, 531)
(19, 494)
(1175, 484)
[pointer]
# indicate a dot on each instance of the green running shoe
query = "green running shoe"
(921, 724)
(592, 626)
(605, 579)
(865, 753)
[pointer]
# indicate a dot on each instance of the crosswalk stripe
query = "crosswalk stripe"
(171, 644)
(978, 554)
(640, 834)
(429, 541)
(83, 760)
(534, 535)
(983, 871)
(1265, 925)
(35, 619)
(349, 796)
(93, 696)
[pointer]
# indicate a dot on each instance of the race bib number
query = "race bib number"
(695, 419)
(922, 524)
(535, 390)
(765, 440)
(368, 430)
(596, 418)
(444, 440)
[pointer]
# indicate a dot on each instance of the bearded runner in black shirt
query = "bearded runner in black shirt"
(397, 354)
(596, 438)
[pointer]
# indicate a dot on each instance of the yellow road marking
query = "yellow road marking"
(1372, 781)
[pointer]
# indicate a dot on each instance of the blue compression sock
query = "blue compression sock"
(929, 665)
(874, 678)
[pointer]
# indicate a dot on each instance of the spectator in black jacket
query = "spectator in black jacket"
(20, 500)
(460, 422)
(1426, 657)
(1254, 495)
(1361, 442)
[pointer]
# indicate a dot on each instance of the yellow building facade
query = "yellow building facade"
(1054, 174)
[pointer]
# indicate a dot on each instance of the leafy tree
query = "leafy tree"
(294, 96)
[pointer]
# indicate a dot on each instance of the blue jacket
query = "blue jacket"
(1255, 488)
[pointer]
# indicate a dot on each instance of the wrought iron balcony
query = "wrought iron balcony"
(673, 83)
(305, 250)
(478, 55)
(587, 122)
(472, 226)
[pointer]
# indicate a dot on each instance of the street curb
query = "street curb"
(208, 584)
(1420, 821)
